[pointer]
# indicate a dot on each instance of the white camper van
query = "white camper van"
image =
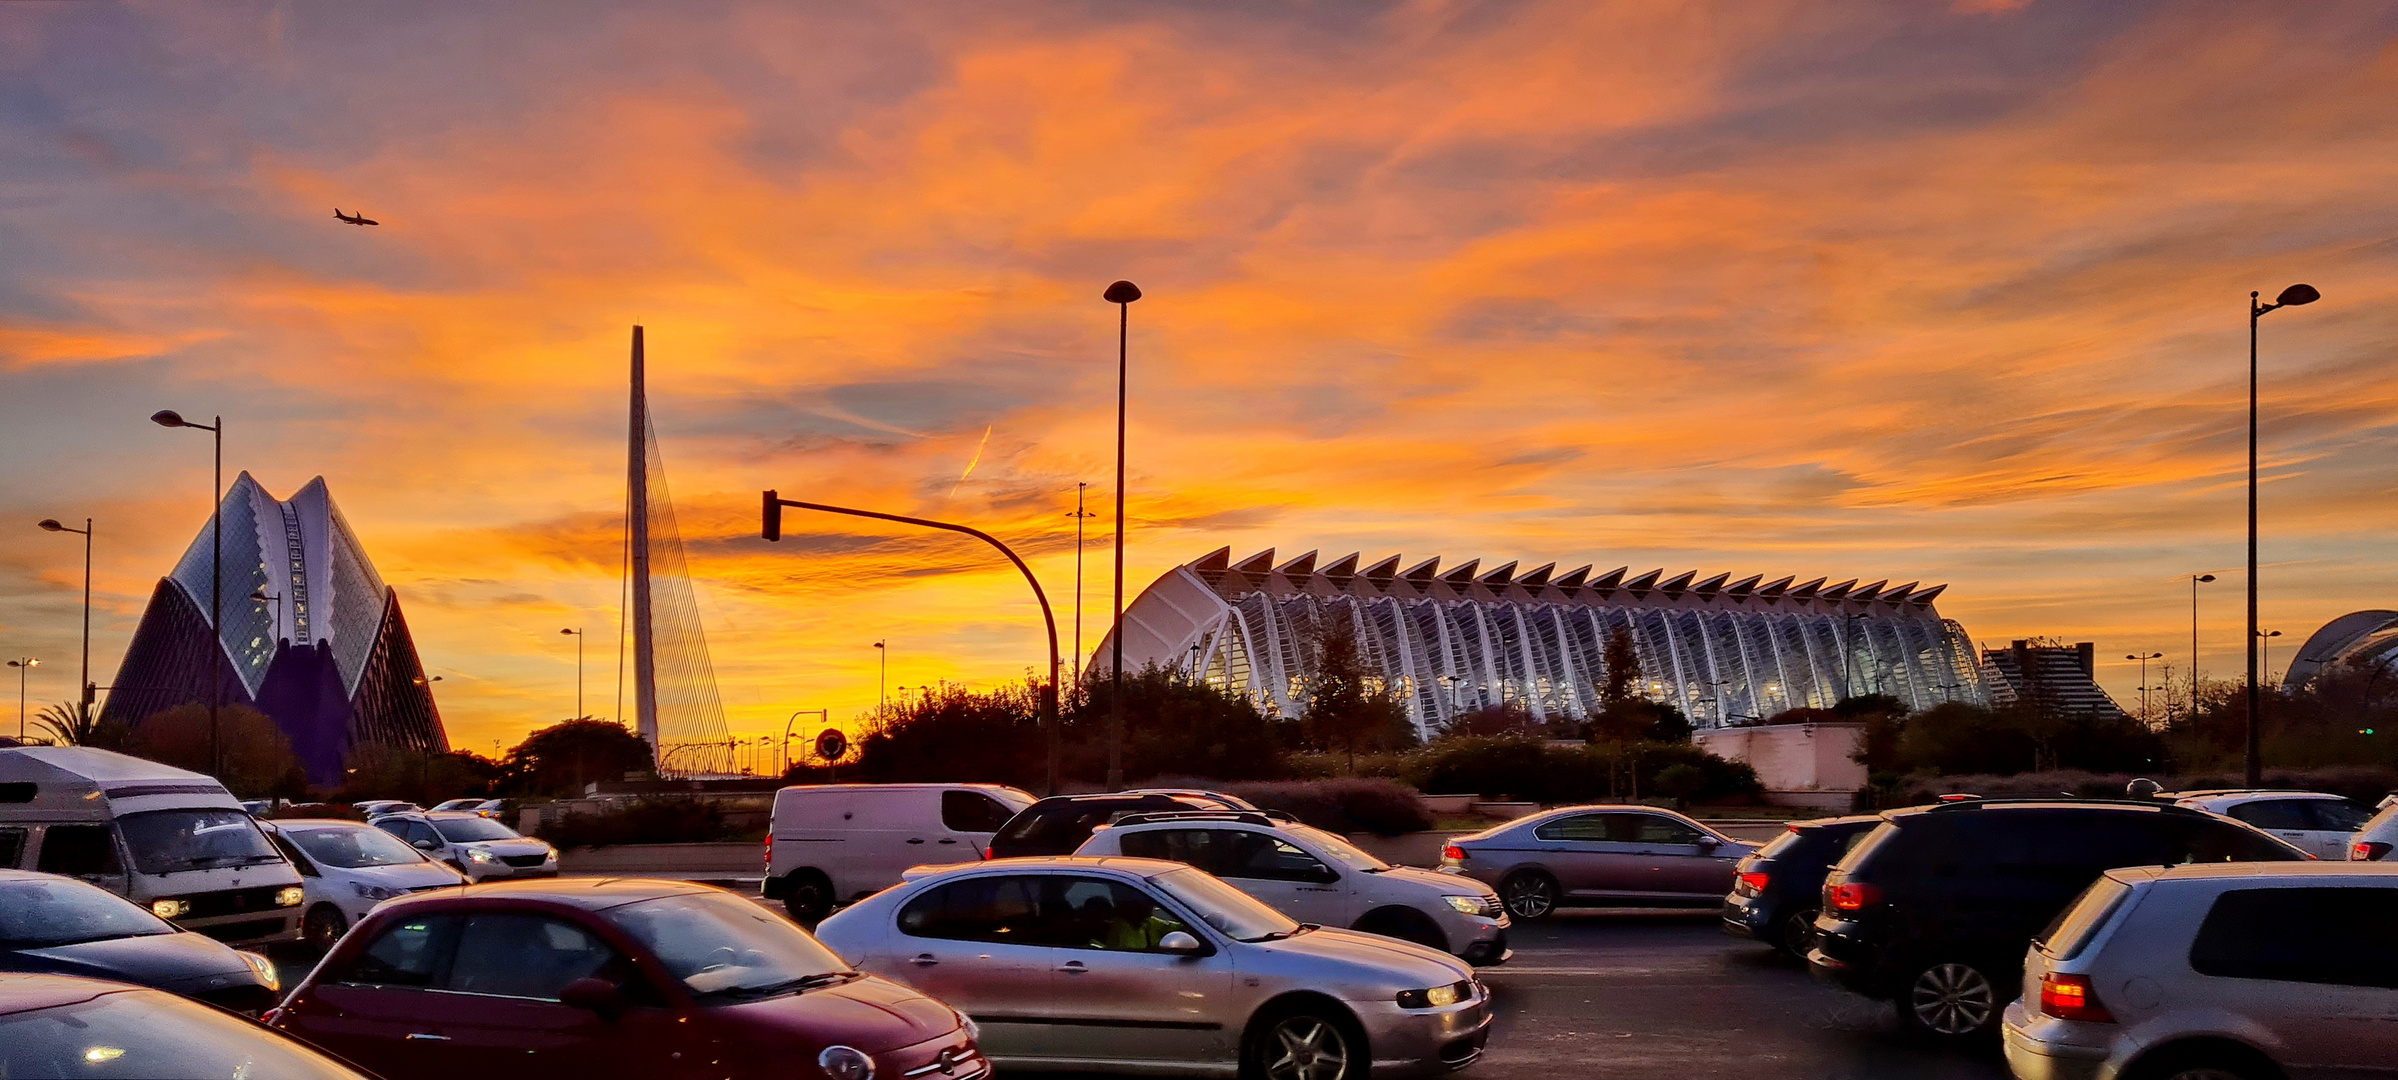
(172, 841)
(830, 843)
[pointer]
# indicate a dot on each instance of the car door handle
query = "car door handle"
(923, 960)
(1072, 967)
(949, 841)
(419, 1036)
(915, 839)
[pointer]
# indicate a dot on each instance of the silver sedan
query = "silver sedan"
(1599, 856)
(1142, 965)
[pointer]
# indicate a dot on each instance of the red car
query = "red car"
(611, 977)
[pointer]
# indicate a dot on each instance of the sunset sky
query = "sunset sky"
(1906, 290)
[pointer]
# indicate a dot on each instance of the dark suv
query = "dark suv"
(1777, 890)
(1935, 907)
(1059, 824)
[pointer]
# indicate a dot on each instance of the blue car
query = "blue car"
(1777, 891)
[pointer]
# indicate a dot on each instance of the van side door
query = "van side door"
(85, 852)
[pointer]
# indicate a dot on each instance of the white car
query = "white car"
(2378, 837)
(458, 804)
(1317, 877)
(347, 868)
(475, 845)
(2320, 824)
(373, 807)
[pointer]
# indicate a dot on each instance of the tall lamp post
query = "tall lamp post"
(83, 687)
(2264, 638)
(2144, 658)
(882, 682)
(2293, 296)
(2195, 581)
(1082, 488)
(24, 666)
(1121, 294)
(578, 636)
(216, 575)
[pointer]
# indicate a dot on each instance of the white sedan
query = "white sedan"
(347, 868)
(477, 846)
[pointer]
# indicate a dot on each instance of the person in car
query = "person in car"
(1134, 924)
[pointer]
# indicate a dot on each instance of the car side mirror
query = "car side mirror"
(1179, 941)
(1709, 843)
(428, 845)
(594, 995)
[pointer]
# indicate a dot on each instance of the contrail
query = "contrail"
(977, 460)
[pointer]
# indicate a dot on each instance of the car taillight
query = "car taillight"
(986, 854)
(2068, 997)
(1848, 896)
(2368, 851)
(1452, 854)
(1752, 883)
(770, 853)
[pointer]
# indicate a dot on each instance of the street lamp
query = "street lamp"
(2265, 639)
(2195, 581)
(1081, 489)
(2144, 658)
(1121, 294)
(2293, 296)
(882, 684)
(578, 636)
(83, 688)
(24, 666)
(216, 573)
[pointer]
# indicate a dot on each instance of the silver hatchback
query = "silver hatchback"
(2239, 971)
(1142, 965)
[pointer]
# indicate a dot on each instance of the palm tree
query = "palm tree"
(71, 723)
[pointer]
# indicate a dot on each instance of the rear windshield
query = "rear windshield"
(1054, 830)
(1875, 839)
(2074, 926)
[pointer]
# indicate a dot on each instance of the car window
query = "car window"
(12, 848)
(1269, 858)
(2340, 936)
(167, 841)
(408, 953)
(1786, 844)
(352, 848)
(999, 909)
(724, 947)
(1650, 829)
(2209, 841)
(1109, 915)
(2333, 816)
(77, 850)
(1573, 827)
(464, 830)
(1208, 849)
(1339, 848)
(2079, 921)
(299, 862)
(2273, 814)
(417, 832)
(972, 811)
(527, 956)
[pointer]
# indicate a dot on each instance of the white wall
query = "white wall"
(1799, 764)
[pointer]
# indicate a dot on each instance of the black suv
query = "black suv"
(1935, 907)
(1059, 824)
(1777, 889)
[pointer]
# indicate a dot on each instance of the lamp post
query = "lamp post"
(24, 666)
(825, 715)
(216, 574)
(1082, 488)
(2195, 581)
(771, 528)
(83, 686)
(2293, 296)
(882, 683)
(2144, 658)
(2265, 640)
(578, 636)
(1121, 294)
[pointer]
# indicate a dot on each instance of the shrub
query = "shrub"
(1346, 805)
(2362, 784)
(1531, 769)
(643, 821)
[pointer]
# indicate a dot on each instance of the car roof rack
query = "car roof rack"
(1268, 818)
(2073, 800)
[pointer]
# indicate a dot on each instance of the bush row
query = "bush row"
(1345, 805)
(643, 821)
(1532, 769)
(2362, 784)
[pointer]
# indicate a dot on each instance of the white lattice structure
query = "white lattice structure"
(1725, 652)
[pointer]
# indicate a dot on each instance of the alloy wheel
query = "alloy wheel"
(323, 927)
(1798, 933)
(1952, 999)
(1530, 896)
(1306, 1048)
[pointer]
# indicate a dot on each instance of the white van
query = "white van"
(834, 842)
(172, 841)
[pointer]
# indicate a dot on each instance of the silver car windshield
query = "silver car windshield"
(1341, 850)
(729, 950)
(463, 830)
(1234, 913)
(353, 846)
(168, 841)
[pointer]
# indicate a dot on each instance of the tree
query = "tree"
(1622, 663)
(562, 758)
(73, 723)
(421, 777)
(258, 762)
(1347, 705)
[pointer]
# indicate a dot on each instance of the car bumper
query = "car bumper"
(2036, 1049)
(1744, 917)
(1839, 957)
(949, 1057)
(1478, 941)
(1425, 1042)
(505, 872)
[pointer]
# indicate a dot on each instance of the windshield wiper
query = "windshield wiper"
(787, 986)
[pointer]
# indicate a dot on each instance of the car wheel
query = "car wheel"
(1798, 933)
(1529, 894)
(1304, 1044)
(1405, 924)
(1951, 1000)
(323, 927)
(809, 898)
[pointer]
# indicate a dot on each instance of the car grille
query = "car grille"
(246, 930)
(209, 905)
(524, 860)
(960, 1062)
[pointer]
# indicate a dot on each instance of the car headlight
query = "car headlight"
(480, 855)
(845, 1063)
(1465, 905)
(169, 909)
(1437, 996)
(265, 969)
(974, 1031)
(291, 896)
(373, 892)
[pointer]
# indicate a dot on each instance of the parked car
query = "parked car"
(63, 1026)
(2375, 839)
(1317, 877)
(1140, 965)
(1932, 910)
(2320, 824)
(2215, 973)
(1598, 856)
(375, 807)
(173, 841)
(1060, 823)
(828, 843)
(473, 845)
(60, 926)
(1777, 890)
(491, 808)
(596, 978)
(458, 804)
(347, 868)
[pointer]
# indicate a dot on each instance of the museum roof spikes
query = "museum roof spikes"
(1350, 575)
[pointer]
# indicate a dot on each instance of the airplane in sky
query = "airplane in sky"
(353, 219)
